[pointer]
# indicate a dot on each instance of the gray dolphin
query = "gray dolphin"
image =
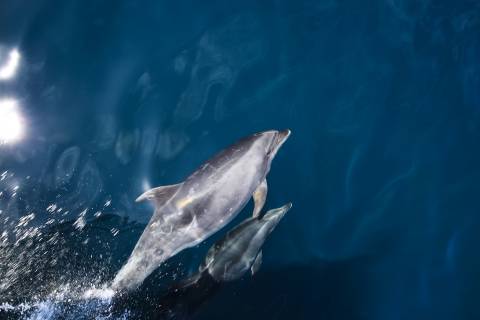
(240, 249)
(187, 213)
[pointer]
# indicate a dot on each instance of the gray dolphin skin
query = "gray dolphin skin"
(240, 249)
(187, 213)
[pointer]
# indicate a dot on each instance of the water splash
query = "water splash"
(67, 303)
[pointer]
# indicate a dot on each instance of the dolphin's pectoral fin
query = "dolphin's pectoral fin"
(259, 197)
(160, 194)
(257, 263)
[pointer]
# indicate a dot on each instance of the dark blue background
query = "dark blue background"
(383, 100)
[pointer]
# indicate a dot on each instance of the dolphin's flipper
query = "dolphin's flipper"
(259, 197)
(160, 194)
(257, 263)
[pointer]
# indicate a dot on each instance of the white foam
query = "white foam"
(99, 293)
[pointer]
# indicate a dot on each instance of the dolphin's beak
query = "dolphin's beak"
(275, 215)
(282, 136)
(278, 141)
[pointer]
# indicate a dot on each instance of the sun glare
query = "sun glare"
(11, 123)
(8, 69)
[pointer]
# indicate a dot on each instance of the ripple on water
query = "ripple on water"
(66, 166)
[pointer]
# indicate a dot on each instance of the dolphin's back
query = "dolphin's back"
(214, 167)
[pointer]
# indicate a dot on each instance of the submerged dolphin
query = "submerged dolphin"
(228, 259)
(240, 249)
(189, 212)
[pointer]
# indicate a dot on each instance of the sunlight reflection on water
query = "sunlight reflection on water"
(8, 69)
(11, 122)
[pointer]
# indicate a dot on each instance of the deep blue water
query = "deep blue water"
(383, 100)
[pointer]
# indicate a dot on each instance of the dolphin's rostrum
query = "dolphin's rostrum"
(189, 212)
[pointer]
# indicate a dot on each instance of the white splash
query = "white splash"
(80, 223)
(68, 303)
(105, 294)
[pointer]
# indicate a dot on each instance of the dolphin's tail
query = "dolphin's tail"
(132, 274)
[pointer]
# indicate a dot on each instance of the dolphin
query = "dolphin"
(240, 250)
(189, 212)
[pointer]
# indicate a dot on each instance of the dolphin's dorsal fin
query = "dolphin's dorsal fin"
(159, 194)
(259, 197)
(257, 263)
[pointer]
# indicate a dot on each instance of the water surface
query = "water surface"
(107, 99)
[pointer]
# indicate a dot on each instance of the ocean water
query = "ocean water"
(102, 100)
